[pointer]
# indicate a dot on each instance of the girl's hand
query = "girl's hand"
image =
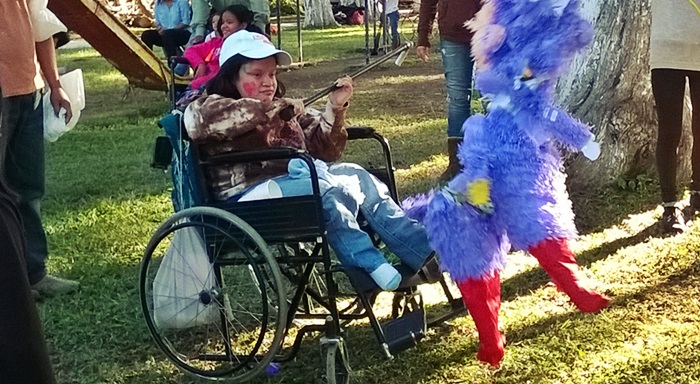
(341, 95)
(200, 70)
(289, 108)
(298, 105)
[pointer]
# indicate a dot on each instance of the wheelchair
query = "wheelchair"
(265, 277)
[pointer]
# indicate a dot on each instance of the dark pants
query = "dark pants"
(668, 86)
(171, 40)
(22, 163)
(23, 355)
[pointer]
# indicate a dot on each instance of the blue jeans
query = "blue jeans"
(355, 190)
(393, 19)
(458, 66)
(22, 158)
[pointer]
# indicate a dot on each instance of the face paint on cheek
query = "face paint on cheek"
(250, 88)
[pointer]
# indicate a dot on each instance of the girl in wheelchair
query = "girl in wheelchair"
(244, 109)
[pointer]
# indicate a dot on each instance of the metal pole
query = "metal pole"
(299, 43)
(279, 24)
(374, 27)
(366, 31)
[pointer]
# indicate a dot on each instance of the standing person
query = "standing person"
(455, 40)
(22, 62)
(202, 8)
(392, 18)
(23, 355)
(172, 27)
(675, 58)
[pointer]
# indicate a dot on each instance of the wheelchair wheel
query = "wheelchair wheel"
(211, 295)
(337, 365)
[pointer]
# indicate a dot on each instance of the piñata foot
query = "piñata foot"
(559, 262)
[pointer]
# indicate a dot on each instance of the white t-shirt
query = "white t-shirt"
(675, 35)
(392, 6)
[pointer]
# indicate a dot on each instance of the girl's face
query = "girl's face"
(258, 79)
(215, 23)
(230, 24)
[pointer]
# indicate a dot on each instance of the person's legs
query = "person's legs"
(393, 19)
(151, 37)
(24, 171)
(458, 66)
(173, 39)
(694, 80)
(351, 244)
(668, 86)
(23, 353)
(402, 235)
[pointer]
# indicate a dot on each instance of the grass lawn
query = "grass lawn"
(104, 202)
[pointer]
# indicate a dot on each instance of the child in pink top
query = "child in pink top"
(204, 57)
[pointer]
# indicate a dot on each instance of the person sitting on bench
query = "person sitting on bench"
(172, 27)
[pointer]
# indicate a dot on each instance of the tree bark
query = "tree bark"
(318, 13)
(609, 87)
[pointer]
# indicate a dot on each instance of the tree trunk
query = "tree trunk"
(609, 87)
(318, 13)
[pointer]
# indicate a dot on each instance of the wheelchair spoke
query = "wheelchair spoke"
(219, 321)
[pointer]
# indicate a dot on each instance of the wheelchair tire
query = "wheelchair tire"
(337, 365)
(239, 322)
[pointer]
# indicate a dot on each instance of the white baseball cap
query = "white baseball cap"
(253, 46)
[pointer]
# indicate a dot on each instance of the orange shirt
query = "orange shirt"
(19, 70)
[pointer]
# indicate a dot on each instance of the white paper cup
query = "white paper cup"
(267, 190)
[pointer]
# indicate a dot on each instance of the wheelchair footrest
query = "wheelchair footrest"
(406, 331)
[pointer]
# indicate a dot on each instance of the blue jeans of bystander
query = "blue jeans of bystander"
(22, 158)
(458, 66)
(393, 21)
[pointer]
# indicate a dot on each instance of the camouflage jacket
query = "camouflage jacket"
(218, 124)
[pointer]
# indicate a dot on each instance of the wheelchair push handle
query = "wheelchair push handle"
(402, 51)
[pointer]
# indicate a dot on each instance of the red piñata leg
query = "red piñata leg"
(559, 262)
(483, 300)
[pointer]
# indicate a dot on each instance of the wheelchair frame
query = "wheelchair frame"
(244, 233)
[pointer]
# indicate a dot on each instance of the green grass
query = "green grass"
(104, 203)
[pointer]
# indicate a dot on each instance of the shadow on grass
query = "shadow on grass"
(518, 335)
(611, 206)
(678, 279)
(95, 333)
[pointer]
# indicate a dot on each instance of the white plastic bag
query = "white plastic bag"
(55, 126)
(44, 23)
(184, 272)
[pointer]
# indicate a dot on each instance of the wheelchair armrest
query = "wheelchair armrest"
(175, 60)
(250, 156)
(279, 153)
(355, 133)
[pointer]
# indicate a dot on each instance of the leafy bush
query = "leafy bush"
(287, 7)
